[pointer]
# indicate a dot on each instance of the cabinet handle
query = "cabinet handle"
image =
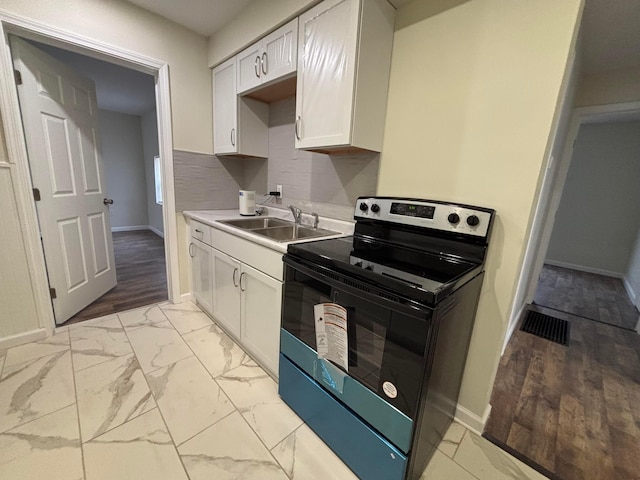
(235, 270)
(190, 254)
(256, 68)
(298, 120)
(241, 277)
(233, 137)
(265, 65)
(199, 231)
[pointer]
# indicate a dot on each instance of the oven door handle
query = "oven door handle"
(413, 310)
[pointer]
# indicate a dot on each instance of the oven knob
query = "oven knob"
(453, 218)
(473, 220)
(364, 207)
(375, 208)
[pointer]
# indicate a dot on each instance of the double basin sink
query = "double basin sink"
(278, 229)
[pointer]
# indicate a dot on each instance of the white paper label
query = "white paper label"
(389, 389)
(331, 333)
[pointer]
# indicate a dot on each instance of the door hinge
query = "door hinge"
(18, 76)
(36, 195)
(52, 292)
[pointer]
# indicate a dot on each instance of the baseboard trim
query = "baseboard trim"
(582, 268)
(135, 228)
(131, 228)
(186, 297)
(470, 420)
(632, 295)
(22, 338)
(158, 232)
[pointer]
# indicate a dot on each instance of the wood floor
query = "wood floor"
(142, 277)
(575, 411)
(587, 295)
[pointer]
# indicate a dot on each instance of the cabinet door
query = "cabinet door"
(201, 264)
(226, 292)
(280, 52)
(225, 108)
(249, 68)
(327, 40)
(260, 314)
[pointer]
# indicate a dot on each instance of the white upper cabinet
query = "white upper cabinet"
(344, 58)
(225, 110)
(240, 125)
(272, 58)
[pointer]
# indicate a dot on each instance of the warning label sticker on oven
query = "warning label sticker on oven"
(389, 390)
(331, 333)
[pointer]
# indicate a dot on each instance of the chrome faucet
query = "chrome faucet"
(297, 214)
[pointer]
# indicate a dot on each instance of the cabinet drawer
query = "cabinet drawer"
(261, 258)
(200, 231)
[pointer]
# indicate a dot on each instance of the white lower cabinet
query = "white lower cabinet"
(201, 261)
(260, 307)
(247, 304)
(226, 293)
(244, 300)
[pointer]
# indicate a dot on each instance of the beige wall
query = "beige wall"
(258, 18)
(126, 26)
(605, 88)
(472, 99)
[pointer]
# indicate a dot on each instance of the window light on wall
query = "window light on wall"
(157, 171)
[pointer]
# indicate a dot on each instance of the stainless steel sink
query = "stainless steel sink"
(254, 223)
(293, 232)
(278, 229)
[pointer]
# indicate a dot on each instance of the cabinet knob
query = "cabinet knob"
(256, 66)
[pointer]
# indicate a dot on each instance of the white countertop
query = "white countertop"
(213, 217)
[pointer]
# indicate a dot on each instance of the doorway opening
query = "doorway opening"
(571, 411)
(157, 71)
(124, 170)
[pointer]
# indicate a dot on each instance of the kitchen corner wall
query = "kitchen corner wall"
(327, 184)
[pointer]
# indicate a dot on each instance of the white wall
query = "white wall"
(598, 218)
(17, 304)
(250, 24)
(123, 161)
(473, 96)
(127, 26)
(150, 150)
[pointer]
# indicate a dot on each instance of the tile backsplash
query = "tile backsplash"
(328, 184)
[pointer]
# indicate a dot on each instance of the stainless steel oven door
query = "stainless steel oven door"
(388, 339)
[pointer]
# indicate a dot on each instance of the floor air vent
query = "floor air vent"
(547, 327)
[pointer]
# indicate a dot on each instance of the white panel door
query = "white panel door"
(202, 272)
(226, 292)
(225, 108)
(60, 120)
(327, 42)
(260, 316)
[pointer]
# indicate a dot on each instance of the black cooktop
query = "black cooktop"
(420, 275)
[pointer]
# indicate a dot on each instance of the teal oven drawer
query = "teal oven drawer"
(385, 418)
(366, 452)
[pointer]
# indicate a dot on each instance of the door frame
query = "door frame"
(17, 150)
(549, 201)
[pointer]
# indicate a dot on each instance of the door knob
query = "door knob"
(108, 201)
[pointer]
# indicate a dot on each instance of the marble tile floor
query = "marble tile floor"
(161, 392)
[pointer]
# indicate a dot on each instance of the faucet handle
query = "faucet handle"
(316, 220)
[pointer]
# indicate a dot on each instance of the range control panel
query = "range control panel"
(447, 217)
